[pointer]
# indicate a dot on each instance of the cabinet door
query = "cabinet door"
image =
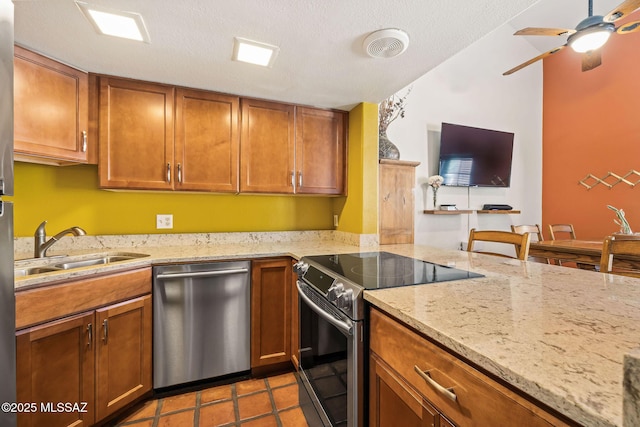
(207, 141)
(295, 319)
(270, 311)
(50, 110)
(320, 151)
(393, 403)
(55, 364)
(397, 181)
(136, 135)
(123, 358)
(267, 153)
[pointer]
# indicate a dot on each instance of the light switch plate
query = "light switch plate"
(164, 221)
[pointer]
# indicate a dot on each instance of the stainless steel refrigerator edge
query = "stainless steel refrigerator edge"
(7, 296)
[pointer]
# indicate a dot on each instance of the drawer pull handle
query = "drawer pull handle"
(448, 392)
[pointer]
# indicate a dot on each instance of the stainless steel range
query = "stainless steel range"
(333, 332)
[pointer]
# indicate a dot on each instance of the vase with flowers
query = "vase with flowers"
(625, 228)
(435, 182)
(388, 111)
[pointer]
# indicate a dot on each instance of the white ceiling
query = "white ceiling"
(321, 60)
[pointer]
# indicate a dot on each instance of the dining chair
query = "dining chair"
(561, 228)
(533, 230)
(520, 242)
(620, 245)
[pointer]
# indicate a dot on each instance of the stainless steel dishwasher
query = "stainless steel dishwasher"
(201, 321)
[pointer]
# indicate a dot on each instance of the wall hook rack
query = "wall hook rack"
(591, 180)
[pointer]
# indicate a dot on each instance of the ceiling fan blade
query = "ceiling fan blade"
(591, 60)
(532, 31)
(629, 27)
(532, 60)
(623, 9)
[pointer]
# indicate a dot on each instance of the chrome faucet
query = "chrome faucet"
(42, 245)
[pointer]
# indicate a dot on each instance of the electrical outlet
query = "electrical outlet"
(335, 220)
(164, 221)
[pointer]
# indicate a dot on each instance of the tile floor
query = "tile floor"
(264, 402)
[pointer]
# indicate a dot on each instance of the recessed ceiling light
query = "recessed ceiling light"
(111, 22)
(254, 52)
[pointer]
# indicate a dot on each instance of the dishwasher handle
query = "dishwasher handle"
(195, 274)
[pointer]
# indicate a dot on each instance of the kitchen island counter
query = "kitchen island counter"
(558, 334)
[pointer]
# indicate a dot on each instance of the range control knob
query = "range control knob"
(345, 300)
(335, 291)
(300, 268)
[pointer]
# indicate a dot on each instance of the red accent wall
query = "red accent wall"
(591, 125)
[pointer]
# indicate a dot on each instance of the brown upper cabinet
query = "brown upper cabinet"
(320, 151)
(50, 111)
(138, 146)
(159, 137)
(290, 149)
(207, 141)
(267, 156)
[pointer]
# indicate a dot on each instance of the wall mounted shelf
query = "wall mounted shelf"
(445, 212)
(464, 211)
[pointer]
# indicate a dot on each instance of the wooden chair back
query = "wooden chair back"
(617, 246)
(561, 228)
(520, 241)
(532, 229)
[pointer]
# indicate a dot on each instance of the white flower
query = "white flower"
(435, 181)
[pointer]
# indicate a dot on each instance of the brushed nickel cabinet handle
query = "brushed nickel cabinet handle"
(293, 179)
(169, 173)
(105, 330)
(179, 173)
(84, 141)
(447, 392)
(300, 179)
(90, 334)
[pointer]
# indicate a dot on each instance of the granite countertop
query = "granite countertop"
(558, 334)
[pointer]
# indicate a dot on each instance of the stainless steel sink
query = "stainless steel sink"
(21, 272)
(78, 262)
(93, 261)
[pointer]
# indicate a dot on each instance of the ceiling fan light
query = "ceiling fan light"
(587, 40)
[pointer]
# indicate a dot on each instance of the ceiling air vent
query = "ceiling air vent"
(386, 43)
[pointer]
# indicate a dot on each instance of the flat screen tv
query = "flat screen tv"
(475, 157)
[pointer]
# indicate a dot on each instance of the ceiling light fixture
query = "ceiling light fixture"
(254, 52)
(591, 34)
(110, 22)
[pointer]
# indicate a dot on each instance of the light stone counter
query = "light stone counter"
(556, 333)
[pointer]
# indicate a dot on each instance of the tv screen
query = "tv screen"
(474, 157)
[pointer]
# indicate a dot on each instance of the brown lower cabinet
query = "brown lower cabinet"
(414, 382)
(94, 362)
(270, 312)
(295, 321)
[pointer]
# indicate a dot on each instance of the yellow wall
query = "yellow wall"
(358, 213)
(67, 196)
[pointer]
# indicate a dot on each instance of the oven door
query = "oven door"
(330, 362)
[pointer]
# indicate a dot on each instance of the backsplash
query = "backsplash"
(23, 246)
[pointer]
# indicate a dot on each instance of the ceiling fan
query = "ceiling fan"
(588, 37)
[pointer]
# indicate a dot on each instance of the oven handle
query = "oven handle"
(344, 327)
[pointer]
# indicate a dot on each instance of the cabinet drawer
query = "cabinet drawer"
(463, 394)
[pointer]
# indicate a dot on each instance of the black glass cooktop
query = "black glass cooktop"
(377, 270)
